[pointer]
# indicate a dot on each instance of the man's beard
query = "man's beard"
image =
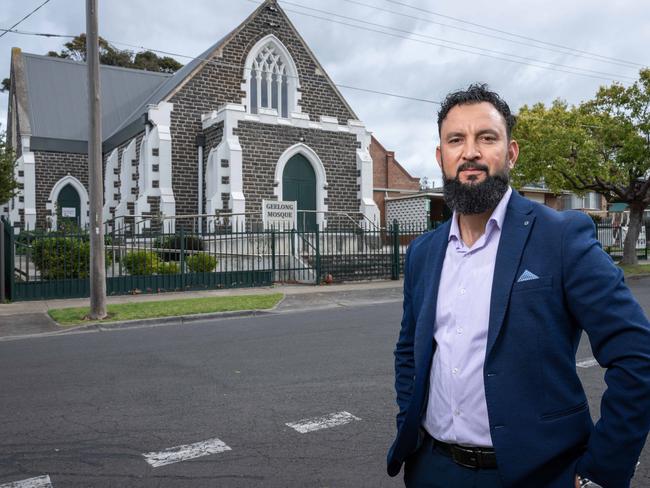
(475, 198)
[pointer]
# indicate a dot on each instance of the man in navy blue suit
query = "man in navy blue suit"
(495, 302)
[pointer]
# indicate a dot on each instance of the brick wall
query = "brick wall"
(388, 173)
(263, 145)
(220, 82)
(50, 167)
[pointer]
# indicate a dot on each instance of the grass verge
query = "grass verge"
(636, 269)
(168, 308)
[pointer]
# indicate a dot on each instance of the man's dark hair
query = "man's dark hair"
(476, 93)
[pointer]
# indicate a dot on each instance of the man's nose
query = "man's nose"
(470, 151)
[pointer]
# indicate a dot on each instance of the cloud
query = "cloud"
(616, 29)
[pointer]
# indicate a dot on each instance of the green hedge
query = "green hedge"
(62, 257)
(201, 263)
(141, 262)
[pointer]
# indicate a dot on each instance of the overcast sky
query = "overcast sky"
(427, 56)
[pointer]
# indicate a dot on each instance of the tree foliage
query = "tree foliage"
(110, 55)
(601, 145)
(8, 183)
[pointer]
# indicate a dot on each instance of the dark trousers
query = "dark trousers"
(429, 468)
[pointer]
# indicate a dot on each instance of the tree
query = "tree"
(602, 145)
(8, 183)
(110, 55)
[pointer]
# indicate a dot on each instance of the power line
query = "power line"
(396, 2)
(564, 51)
(24, 18)
(39, 34)
(500, 53)
(450, 47)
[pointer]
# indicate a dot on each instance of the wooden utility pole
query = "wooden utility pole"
(97, 266)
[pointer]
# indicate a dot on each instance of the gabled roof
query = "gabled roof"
(58, 96)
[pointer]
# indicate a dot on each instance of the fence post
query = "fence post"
(395, 267)
(2, 260)
(273, 253)
(182, 246)
(318, 263)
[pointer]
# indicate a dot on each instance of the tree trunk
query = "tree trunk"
(629, 246)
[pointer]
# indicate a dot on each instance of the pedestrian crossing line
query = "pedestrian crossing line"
(185, 452)
(587, 363)
(324, 422)
(40, 482)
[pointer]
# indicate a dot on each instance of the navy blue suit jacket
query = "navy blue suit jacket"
(539, 417)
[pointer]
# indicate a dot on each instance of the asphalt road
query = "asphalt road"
(84, 408)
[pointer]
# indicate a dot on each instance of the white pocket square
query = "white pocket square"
(527, 276)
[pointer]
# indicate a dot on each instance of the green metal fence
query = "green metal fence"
(142, 258)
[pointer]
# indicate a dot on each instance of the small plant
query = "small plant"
(201, 262)
(141, 262)
(168, 268)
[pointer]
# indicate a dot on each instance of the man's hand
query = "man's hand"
(577, 482)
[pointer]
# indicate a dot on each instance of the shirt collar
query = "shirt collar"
(497, 218)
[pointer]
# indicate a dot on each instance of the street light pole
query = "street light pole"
(97, 267)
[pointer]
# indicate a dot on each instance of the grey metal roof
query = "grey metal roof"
(169, 85)
(58, 96)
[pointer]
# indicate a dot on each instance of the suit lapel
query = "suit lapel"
(516, 228)
(427, 316)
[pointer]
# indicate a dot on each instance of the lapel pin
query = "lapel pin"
(525, 222)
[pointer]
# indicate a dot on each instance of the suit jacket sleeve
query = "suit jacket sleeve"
(619, 334)
(404, 359)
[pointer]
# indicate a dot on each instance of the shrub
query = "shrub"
(201, 262)
(168, 268)
(61, 257)
(141, 262)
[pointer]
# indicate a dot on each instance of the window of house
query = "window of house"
(272, 80)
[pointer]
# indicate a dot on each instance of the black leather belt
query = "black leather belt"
(470, 457)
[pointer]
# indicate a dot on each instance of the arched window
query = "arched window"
(272, 79)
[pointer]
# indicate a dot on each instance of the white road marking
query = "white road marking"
(325, 422)
(587, 363)
(185, 452)
(40, 482)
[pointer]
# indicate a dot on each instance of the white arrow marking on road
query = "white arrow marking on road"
(185, 452)
(325, 422)
(587, 363)
(40, 482)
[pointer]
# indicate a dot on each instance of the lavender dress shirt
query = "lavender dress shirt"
(457, 410)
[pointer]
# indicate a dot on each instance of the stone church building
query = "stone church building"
(255, 117)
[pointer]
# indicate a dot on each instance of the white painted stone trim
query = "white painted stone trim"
(293, 81)
(231, 114)
(83, 200)
(109, 184)
(126, 182)
(26, 163)
(319, 170)
(157, 137)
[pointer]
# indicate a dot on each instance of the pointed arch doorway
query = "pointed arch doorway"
(69, 206)
(299, 184)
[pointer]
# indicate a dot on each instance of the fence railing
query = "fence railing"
(146, 259)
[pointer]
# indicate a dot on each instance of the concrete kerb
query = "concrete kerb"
(21, 308)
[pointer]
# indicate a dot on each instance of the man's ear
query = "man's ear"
(439, 158)
(513, 153)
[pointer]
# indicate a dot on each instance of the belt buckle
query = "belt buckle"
(474, 457)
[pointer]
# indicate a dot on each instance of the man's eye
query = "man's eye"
(489, 138)
(454, 140)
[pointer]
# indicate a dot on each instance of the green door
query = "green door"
(299, 184)
(69, 207)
